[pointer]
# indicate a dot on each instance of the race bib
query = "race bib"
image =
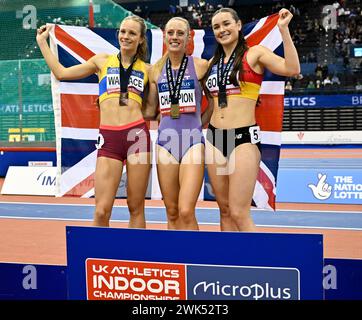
(213, 87)
(254, 134)
(187, 101)
(113, 83)
(136, 81)
(135, 84)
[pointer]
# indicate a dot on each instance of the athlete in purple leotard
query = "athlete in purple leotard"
(175, 88)
(178, 135)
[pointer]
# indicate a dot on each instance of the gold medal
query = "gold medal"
(175, 111)
(123, 99)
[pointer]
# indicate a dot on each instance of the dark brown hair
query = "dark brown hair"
(240, 49)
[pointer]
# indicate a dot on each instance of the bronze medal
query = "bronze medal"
(124, 76)
(222, 104)
(123, 99)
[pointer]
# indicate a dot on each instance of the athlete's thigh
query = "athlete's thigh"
(217, 171)
(108, 175)
(243, 167)
(168, 175)
(138, 173)
(191, 174)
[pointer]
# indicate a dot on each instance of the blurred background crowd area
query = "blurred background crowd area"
(330, 56)
(327, 34)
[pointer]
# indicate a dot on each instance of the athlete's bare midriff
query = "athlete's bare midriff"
(240, 112)
(112, 114)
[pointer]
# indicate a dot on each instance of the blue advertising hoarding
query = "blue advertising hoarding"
(323, 101)
(342, 279)
(335, 186)
(32, 282)
(107, 263)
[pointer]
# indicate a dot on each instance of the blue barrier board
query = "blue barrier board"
(32, 282)
(109, 263)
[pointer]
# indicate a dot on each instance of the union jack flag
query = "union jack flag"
(77, 118)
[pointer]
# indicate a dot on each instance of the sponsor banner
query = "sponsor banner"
(131, 280)
(192, 265)
(342, 279)
(322, 137)
(38, 181)
(134, 280)
(27, 108)
(335, 186)
(32, 282)
(242, 283)
(323, 101)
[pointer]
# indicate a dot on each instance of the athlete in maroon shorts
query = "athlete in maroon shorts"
(123, 135)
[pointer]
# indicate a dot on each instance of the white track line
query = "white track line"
(201, 223)
(162, 207)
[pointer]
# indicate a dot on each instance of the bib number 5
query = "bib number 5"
(254, 134)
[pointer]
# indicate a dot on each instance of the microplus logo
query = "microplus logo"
(242, 283)
(249, 292)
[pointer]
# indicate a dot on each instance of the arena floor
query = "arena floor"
(32, 228)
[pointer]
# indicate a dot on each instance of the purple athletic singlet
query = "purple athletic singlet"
(178, 135)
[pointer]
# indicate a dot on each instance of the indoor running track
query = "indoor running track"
(32, 229)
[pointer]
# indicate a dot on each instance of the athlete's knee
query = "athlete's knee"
(135, 206)
(224, 209)
(172, 212)
(186, 213)
(239, 212)
(102, 213)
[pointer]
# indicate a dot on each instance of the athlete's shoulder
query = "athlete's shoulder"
(201, 66)
(100, 56)
(257, 50)
(210, 61)
(142, 62)
(152, 73)
(100, 59)
(148, 67)
(201, 62)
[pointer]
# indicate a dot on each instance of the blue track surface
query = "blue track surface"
(282, 218)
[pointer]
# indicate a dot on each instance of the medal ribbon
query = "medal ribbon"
(175, 89)
(222, 76)
(124, 75)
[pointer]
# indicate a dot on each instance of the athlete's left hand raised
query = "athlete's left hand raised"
(284, 18)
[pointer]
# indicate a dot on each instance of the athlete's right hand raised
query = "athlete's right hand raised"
(42, 33)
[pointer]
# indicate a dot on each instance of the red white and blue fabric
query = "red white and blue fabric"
(77, 118)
